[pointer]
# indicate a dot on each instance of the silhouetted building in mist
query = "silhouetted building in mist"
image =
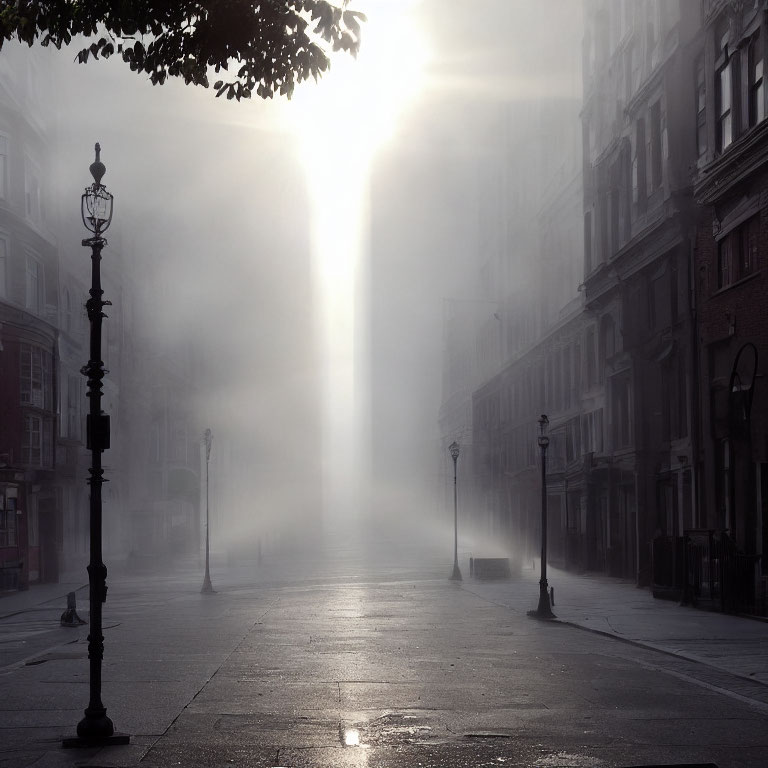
(638, 152)
(541, 325)
(44, 277)
(524, 312)
(30, 516)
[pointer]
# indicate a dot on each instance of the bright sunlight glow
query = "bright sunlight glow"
(340, 123)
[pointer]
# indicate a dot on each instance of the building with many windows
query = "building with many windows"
(652, 377)
(637, 254)
(30, 519)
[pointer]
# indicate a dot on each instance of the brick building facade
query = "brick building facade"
(731, 260)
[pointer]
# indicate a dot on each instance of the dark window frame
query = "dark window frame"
(756, 80)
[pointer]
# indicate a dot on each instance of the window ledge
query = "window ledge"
(737, 283)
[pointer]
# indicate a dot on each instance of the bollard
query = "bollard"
(70, 618)
(551, 595)
(471, 566)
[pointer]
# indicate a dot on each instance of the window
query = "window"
(32, 190)
(35, 380)
(592, 431)
(33, 285)
(605, 243)
(621, 412)
(737, 253)
(630, 57)
(756, 88)
(607, 338)
(638, 165)
(724, 98)
(615, 209)
(32, 442)
(701, 108)
(724, 262)
(748, 246)
(590, 351)
(70, 422)
(572, 440)
(598, 430)
(3, 167)
(577, 368)
(8, 527)
(656, 147)
(625, 192)
(3, 267)
(587, 242)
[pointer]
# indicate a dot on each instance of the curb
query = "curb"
(667, 651)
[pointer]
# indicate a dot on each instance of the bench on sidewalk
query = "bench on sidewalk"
(10, 574)
(490, 568)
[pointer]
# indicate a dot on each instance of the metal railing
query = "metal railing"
(714, 570)
(705, 568)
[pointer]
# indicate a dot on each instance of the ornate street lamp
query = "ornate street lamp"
(544, 611)
(96, 209)
(456, 575)
(207, 586)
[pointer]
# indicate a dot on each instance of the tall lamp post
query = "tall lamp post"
(96, 211)
(544, 611)
(207, 586)
(456, 575)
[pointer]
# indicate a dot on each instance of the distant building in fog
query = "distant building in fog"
(44, 332)
(525, 316)
(30, 515)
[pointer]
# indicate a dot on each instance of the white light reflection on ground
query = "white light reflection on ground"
(351, 737)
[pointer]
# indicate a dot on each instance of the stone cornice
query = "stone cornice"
(743, 158)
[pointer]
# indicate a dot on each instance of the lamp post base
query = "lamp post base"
(207, 588)
(456, 575)
(544, 610)
(96, 730)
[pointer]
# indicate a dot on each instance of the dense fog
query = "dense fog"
(300, 255)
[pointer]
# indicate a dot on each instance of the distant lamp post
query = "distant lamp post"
(456, 575)
(544, 611)
(96, 209)
(207, 586)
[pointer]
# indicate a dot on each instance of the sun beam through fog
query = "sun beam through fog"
(339, 124)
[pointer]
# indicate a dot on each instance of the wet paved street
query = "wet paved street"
(350, 658)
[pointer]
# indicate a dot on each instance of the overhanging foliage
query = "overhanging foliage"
(264, 47)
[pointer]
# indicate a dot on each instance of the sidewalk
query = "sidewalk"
(619, 609)
(42, 595)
